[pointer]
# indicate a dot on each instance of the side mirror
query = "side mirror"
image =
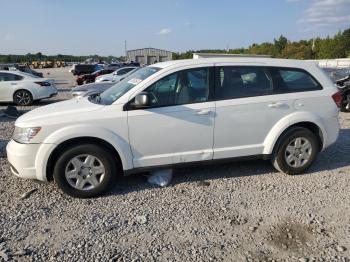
(142, 100)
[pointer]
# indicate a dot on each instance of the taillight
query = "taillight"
(43, 83)
(337, 98)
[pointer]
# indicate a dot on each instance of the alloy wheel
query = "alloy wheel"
(85, 172)
(298, 152)
(22, 98)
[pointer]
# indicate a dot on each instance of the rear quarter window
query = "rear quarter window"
(289, 80)
(10, 77)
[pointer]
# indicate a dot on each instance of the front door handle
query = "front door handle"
(276, 105)
(203, 112)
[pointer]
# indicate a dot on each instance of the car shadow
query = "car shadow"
(202, 173)
(3, 144)
(334, 157)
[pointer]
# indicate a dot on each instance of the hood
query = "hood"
(50, 113)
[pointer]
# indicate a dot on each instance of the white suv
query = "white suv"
(179, 112)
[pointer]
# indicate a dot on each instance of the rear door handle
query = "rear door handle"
(276, 105)
(203, 112)
(13, 84)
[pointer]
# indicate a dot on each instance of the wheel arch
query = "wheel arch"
(312, 123)
(22, 89)
(78, 141)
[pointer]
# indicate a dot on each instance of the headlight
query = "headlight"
(25, 134)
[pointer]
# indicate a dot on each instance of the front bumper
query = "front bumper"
(22, 159)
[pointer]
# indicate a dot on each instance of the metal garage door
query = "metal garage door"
(163, 58)
(140, 59)
(151, 60)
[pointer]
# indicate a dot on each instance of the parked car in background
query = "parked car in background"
(132, 63)
(22, 68)
(344, 87)
(163, 116)
(81, 69)
(91, 89)
(7, 66)
(337, 73)
(28, 70)
(22, 88)
(114, 66)
(116, 75)
(90, 78)
(341, 77)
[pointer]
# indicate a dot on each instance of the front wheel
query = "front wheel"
(295, 151)
(23, 98)
(85, 171)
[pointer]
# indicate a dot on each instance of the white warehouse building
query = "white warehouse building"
(149, 55)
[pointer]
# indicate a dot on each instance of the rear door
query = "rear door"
(246, 110)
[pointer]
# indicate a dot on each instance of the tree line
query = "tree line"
(337, 46)
(41, 57)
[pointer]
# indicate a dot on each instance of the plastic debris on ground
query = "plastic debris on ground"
(161, 177)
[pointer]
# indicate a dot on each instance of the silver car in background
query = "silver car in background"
(91, 89)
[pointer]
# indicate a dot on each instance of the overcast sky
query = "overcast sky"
(83, 27)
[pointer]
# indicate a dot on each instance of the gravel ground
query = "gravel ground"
(243, 211)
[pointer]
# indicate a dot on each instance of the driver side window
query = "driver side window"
(183, 87)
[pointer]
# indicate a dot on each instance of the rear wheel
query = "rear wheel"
(345, 103)
(85, 171)
(23, 98)
(295, 151)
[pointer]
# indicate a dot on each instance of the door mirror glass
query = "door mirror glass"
(141, 100)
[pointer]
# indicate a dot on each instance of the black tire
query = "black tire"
(104, 156)
(23, 98)
(279, 155)
(344, 104)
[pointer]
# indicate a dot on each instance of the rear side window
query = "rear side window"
(287, 80)
(238, 82)
(10, 77)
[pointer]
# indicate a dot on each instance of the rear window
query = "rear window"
(293, 80)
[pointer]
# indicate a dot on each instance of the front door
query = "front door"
(178, 125)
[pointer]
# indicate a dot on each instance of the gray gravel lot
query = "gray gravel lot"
(243, 211)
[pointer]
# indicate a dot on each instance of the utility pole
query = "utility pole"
(126, 52)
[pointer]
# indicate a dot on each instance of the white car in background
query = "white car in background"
(117, 75)
(22, 88)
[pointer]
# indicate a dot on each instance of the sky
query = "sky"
(86, 27)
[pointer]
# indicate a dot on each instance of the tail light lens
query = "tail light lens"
(337, 98)
(43, 83)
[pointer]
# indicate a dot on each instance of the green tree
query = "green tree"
(280, 43)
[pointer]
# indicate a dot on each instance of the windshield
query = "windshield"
(122, 87)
